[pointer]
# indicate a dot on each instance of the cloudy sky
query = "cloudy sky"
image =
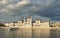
(13, 10)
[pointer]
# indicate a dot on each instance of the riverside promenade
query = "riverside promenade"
(32, 28)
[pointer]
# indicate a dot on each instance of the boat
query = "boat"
(13, 29)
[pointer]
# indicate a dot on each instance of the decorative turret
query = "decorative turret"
(20, 21)
(29, 19)
(37, 20)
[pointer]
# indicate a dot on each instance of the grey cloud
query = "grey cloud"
(50, 11)
(17, 8)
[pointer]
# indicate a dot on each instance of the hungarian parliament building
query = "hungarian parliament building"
(27, 23)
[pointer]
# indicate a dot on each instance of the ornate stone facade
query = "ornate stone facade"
(28, 23)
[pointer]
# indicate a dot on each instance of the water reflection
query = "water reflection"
(40, 33)
(30, 33)
(2, 33)
(54, 33)
(25, 33)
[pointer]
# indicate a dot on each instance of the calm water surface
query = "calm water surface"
(29, 33)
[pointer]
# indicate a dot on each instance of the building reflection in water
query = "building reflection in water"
(30, 33)
(40, 33)
(54, 33)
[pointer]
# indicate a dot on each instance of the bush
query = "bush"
(2, 25)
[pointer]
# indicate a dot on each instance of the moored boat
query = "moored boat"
(13, 29)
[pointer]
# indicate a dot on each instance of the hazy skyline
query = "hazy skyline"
(13, 10)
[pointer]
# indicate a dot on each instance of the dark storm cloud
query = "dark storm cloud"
(51, 11)
(14, 9)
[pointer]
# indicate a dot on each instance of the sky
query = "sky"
(13, 10)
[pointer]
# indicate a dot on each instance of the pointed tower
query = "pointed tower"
(29, 19)
(37, 20)
(28, 22)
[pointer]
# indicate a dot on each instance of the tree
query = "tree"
(2, 25)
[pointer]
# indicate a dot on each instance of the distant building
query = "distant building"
(56, 24)
(9, 24)
(27, 23)
(39, 24)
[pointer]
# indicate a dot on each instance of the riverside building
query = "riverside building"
(27, 23)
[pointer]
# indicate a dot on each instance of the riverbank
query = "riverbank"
(32, 28)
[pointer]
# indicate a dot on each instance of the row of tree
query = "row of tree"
(2, 25)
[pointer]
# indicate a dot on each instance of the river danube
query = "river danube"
(30, 33)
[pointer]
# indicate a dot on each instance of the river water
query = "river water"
(30, 33)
